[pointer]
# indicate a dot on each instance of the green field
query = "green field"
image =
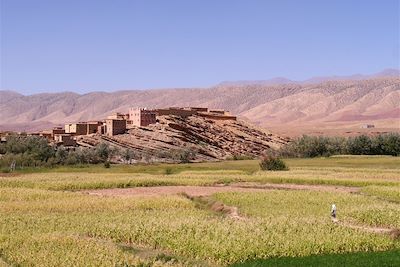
(46, 221)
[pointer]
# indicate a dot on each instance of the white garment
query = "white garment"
(333, 208)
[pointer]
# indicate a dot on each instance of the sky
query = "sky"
(98, 45)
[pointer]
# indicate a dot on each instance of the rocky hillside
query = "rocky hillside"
(207, 139)
(328, 104)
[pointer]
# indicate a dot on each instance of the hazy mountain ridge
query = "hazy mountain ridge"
(313, 80)
(340, 101)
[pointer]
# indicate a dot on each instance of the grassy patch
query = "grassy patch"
(358, 259)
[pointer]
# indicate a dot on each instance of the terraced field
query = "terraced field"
(206, 214)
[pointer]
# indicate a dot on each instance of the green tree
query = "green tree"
(103, 151)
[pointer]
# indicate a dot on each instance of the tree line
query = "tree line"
(34, 151)
(321, 146)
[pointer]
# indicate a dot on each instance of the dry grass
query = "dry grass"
(45, 222)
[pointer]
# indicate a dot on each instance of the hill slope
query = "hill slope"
(339, 103)
(210, 140)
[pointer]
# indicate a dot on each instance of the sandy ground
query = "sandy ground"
(197, 191)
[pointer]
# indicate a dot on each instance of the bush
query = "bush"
(103, 151)
(240, 157)
(128, 154)
(271, 163)
(107, 164)
(185, 155)
(169, 171)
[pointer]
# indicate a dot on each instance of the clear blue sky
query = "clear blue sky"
(84, 45)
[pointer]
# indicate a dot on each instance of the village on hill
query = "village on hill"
(118, 123)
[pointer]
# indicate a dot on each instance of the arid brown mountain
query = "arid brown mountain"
(338, 104)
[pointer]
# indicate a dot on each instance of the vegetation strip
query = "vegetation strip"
(214, 205)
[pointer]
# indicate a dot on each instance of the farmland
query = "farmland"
(63, 217)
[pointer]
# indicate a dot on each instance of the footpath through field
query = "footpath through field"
(209, 190)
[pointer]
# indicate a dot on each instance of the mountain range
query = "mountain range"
(283, 105)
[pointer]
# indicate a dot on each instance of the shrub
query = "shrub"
(271, 163)
(169, 171)
(240, 157)
(107, 164)
(128, 154)
(103, 151)
(184, 155)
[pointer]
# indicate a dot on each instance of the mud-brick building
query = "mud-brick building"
(118, 116)
(57, 130)
(114, 127)
(141, 117)
(76, 128)
(46, 134)
(92, 126)
(65, 140)
(367, 126)
(174, 111)
(82, 128)
(217, 114)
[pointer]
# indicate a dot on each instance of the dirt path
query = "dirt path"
(392, 232)
(195, 191)
(378, 230)
(323, 188)
(210, 190)
(200, 194)
(9, 174)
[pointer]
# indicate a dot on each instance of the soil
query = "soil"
(196, 191)
(322, 188)
(9, 174)
(392, 232)
(193, 191)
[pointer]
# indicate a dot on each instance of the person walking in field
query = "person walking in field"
(333, 212)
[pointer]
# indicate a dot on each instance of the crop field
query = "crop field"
(204, 214)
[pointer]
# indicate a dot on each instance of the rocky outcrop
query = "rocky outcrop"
(208, 139)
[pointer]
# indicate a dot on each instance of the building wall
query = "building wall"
(92, 127)
(47, 135)
(366, 126)
(217, 116)
(118, 116)
(134, 117)
(65, 139)
(76, 128)
(114, 127)
(101, 129)
(58, 130)
(175, 112)
(141, 117)
(218, 111)
(147, 117)
(197, 109)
